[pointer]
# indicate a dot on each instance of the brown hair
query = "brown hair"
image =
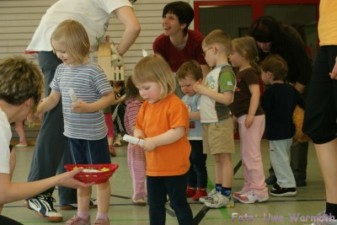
(247, 48)
(276, 65)
(131, 91)
(190, 68)
(20, 80)
(74, 37)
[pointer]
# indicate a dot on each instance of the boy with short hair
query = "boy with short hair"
(188, 74)
(278, 102)
(217, 125)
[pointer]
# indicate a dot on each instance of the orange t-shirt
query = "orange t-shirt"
(327, 22)
(157, 118)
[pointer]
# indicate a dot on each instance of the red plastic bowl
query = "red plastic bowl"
(93, 177)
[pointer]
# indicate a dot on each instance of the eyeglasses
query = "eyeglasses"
(205, 51)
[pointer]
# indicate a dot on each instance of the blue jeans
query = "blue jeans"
(89, 151)
(175, 187)
(52, 151)
(197, 175)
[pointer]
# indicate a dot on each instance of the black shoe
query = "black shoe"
(271, 180)
(301, 183)
(43, 205)
(282, 192)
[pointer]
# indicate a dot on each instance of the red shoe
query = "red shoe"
(200, 193)
(190, 192)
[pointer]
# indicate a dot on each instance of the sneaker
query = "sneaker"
(301, 183)
(219, 201)
(199, 194)
(282, 192)
(271, 180)
(101, 222)
(208, 197)
(249, 197)
(139, 202)
(21, 145)
(323, 219)
(190, 192)
(43, 205)
(76, 220)
(73, 206)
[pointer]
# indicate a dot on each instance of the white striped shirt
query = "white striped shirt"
(89, 83)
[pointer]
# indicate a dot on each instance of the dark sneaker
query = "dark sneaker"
(301, 183)
(43, 206)
(282, 192)
(73, 206)
(271, 180)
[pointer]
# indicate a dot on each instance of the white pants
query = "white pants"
(280, 161)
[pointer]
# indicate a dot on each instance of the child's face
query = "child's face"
(266, 77)
(150, 91)
(209, 55)
(236, 59)
(186, 85)
(62, 53)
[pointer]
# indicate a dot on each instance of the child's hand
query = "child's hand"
(249, 120)
(199, 88)
(149, 144)
(80, 106)
(39, 109)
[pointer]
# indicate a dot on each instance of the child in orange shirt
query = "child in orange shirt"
(163, 122)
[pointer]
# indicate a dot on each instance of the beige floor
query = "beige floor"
(281, 211)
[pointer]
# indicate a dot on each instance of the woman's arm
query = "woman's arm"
(132, 28)
(10, 191)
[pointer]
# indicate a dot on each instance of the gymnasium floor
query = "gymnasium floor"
(282, 211)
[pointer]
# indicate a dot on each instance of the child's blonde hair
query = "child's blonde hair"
(220, 38)
(154, 68)
(276, 65)
(20, 80)
(74, 37)
(190, 68)
(246, 47)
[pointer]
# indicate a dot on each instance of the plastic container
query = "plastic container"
(93, 173)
